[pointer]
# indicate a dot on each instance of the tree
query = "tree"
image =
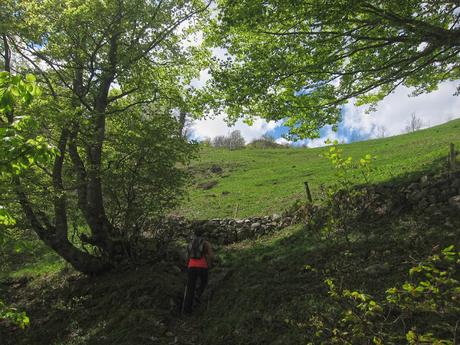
(381, 131)
(219, 141)
(414, 124)
(99, 62)
(235, 140)
(19, 150)
(303, 60)
(232, 142)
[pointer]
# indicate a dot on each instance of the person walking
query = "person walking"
(199, 259)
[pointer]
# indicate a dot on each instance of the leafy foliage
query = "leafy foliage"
(13, 315)
(144, 175)
(426, 307)
(303, 60)
(19, 150)
(115, 77)
(345, 202)
(233, 141)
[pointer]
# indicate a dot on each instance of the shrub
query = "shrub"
(266, 142)
(346, 204)
(423, 310)
(232, 142)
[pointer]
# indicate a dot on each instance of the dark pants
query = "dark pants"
(193, 274)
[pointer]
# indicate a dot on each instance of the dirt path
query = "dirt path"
(188, 329)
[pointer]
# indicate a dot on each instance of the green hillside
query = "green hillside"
(262, 182)
(271, 289)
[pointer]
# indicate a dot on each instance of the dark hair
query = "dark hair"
(198, 228)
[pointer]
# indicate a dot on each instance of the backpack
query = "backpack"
(196, 248)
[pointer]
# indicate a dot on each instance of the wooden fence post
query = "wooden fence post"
(307, 191)
(235, 212)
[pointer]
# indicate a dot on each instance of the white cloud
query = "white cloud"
(327, 134)
(395, 111)
(283, 141)
(392, 115)
(217, 126)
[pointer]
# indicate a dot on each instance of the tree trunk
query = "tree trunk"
(56, 237)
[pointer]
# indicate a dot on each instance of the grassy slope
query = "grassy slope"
(269, 296)
(263, 182)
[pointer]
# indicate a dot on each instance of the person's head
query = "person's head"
(198, 229)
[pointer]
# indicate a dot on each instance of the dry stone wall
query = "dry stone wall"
(227, 230)
(436, 197)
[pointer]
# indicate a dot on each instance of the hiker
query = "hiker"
(198, 262)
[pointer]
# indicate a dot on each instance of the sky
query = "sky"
(390, 118)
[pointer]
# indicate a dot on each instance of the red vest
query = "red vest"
(198, 263)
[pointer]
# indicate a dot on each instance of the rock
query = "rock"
(454, 202)
(413, 186)
(456, 183)
(448, 223)
(276, 217)
(418, 195)
(423, 204)
(208, 184)
(424, 180)
(377, 269)
(215, 169)
(255, 226)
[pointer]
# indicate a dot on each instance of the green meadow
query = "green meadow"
(267, 181)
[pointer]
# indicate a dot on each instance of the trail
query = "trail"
(188, 329)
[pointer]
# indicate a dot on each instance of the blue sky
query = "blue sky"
(390, 118)
(347, 134)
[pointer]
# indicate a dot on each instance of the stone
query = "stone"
(215, 169)
(424, 180)
(418, 195)
(413, 186)
(456, 183)
(423, 203)
(432, 199)
(208, 184)
(377, 269)
(448, 223)
(255, 226)
(454, 202)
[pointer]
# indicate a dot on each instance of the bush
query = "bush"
(346, 204)
(423, 310)
(232, 142)
(266, 142)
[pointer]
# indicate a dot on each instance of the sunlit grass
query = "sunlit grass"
(261, 182)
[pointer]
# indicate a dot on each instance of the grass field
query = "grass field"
(270, 287)
(261, 182)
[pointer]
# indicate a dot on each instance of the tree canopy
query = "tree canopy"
(303, 60)
(114, 74)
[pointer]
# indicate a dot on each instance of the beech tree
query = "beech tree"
(101, 64)
(302, 60)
